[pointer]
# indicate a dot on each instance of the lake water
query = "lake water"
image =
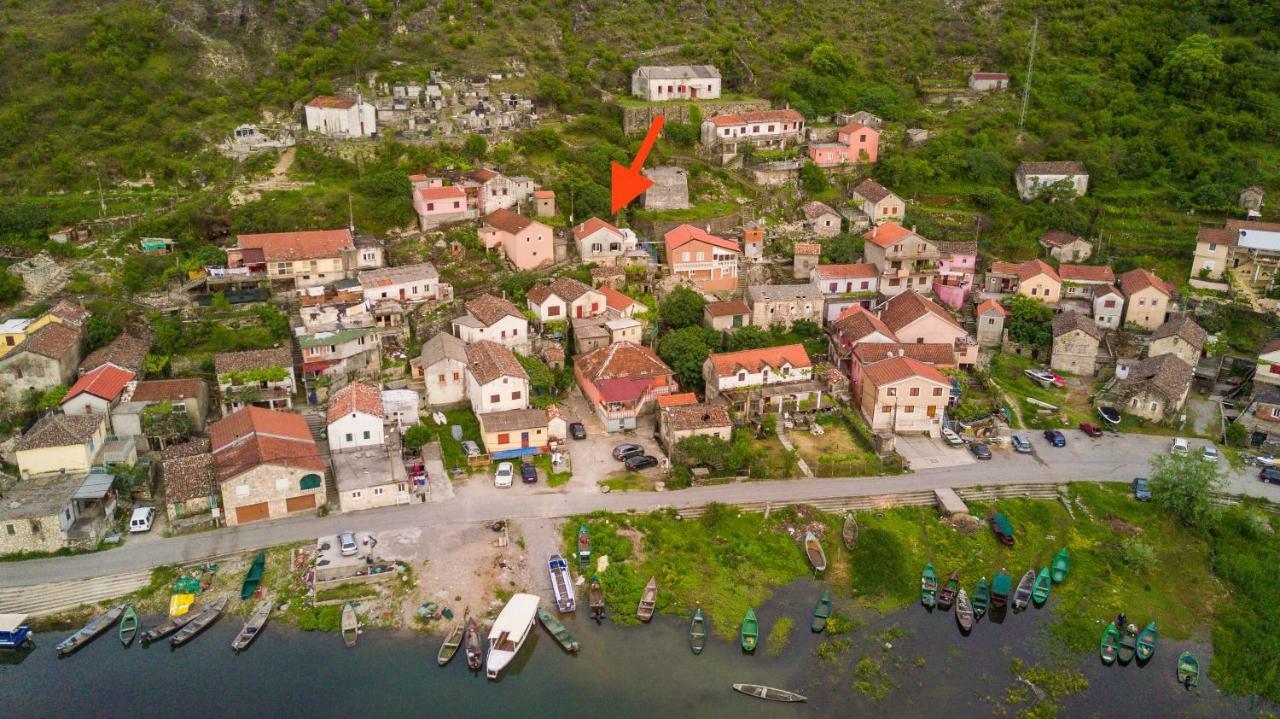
(620, 672)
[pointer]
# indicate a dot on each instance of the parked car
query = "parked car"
(577, 431)
(980, 450)
(1141, 490)
(347, 543)
(951, 437)
(622, 451)
(1091, 429)
(1209, 453)
(1055, 437)
(1021, 444)
(528, 473)
(637, 462)
(1270, 474)
(502, 478)
(1179, 446)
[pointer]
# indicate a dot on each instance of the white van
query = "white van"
(141, 519)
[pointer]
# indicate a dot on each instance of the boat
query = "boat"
(1060, 565)
(850, 532)
(929, 586)
(170, 625)
(1002, 528)
(1040, 591)
(769, 693)
(128, 626)
(947, 594)
(452, 641)
(253, 626)
(821, 612)
(697, 632)
(1188, 669)
(562, 584)
(509, 631)
(1022, 595)
(981, 598)
(253, 577)
(648, 601)
(557, 630)
(198, 623)
(813, 548)
(474, 646)
(1109, 644)
(1001, 586)
(1147, 642)
(964, 611)
(584, 545)
(750, 634)
(595, 595)
(91, 630)
(1128, 644)
(13, 632)
(350, 625)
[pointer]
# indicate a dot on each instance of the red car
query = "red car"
(1092, 430)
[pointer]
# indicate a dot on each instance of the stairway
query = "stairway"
(60, 596)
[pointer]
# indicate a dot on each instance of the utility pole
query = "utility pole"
(1026, 85)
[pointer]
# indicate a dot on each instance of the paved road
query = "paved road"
(1110, 459)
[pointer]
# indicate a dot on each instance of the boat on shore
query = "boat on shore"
(170, 625)
(981, 598)
(964, 611)
(849, 533)
(947, 594)
(1001, 586)
(1060, 565)
(768, 693)
(201, 622)
(1040, 591)
(813, 550)
(350, 625)
(821, 612)
(562, 584)
(749, 635)
(1147, 642)
(1022, 595)
(648, 601)
(584, 545)
(253, 626)
(595, 596)
(90, 631)
(1128, 644)
(697, 632)
(558, 630)
(1188, 670)
(509, 632)
(253, 577)
(128, 626)
(929, 586)
(1109, 645)
(474, 646)
(14, 632)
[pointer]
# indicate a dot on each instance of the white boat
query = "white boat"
(509, 631)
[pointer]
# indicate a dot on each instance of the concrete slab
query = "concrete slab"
(928, 453)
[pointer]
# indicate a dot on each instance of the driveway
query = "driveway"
(928, 453)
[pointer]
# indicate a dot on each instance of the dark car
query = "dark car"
(1270, 474)
(637, 462)
(1141, 490)
(577, 431)
(1055, 437)
(528, 473)
(622, 451)
(1090, 429)
(980, 450)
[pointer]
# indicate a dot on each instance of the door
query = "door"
(299, 503)
(252, 512)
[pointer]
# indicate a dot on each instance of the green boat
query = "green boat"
(750, 631)
(981, 598)
(1188, 669)
(1060, 565)
(254, 576)
(1040, 592)
(1147, 642)
(821, 612)
(697, 632)
(128, 626)
(1110, 644)
(929, 586)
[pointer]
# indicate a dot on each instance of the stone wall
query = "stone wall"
(636, 120)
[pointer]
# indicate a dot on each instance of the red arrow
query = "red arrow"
(626, 182)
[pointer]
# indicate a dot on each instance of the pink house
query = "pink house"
(855, 143)
(527, 243)
(956, 266)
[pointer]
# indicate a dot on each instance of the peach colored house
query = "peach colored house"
(915, 318)
(1146, 298)
(855, 143)
(526, 243)
(1038, 280)
(904, 395)
(709, 262)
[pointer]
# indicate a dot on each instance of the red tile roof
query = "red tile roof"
(107, 381)
(1140, 279)
(727, 364)
(902, 368)
(988, 305)
(747, 118)
(1086, 273)
(448, 192)
(356, 397)
(592, 225)
(328, 101)
(684, 234)
(252, 436)
(886, 234)
(304, 245)
(835, 272)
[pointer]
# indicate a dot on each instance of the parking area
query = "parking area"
(928, 453)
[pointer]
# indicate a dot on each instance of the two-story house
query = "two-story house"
(267, 465)
(341, 353)
(442, 365)
(263, 378)
(770, 379)
(1033, 178)
(600, 242)
(846, 285)
(526, 243)
(904, 395)
(855, 143)
(407, 284)
(45, 359)
(905, 260)
(565, 298)
(1147, 298)
(783, 305)
(620, 381)
(657, 83)
(877, 202)
(708, 261)
(356, 417)
(495, 319)
(957, 264)
(496, 382)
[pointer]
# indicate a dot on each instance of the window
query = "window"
(494, 398)
(937, 391)
(915, 392)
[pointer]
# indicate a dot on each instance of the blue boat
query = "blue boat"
(13, 633)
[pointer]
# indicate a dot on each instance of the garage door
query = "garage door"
(252, 512)
(299, 503)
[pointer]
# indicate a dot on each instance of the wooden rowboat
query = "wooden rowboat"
(1060, 565)
(128, 626)
(1022, 595)
(253, 627)
(850, 532)
(1001, 586)
(595, 597)
(947, 594)
(697, 632)
(929, 586)
(452, 641)
(170, 625)
(557, 630)
(350, 625)
(964, 611)
(750, 634)
(1147, 642)
(1110, 644)
(813, 549)
(648, 600)
(203, 621)
(474, 646)
(1040, 592)
(89, 632)
(769, 693)
(1188, 669)
(253, 577)
(981, 598)
(1128, 644)
(821, 612)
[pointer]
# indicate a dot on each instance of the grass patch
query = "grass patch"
(779, 636)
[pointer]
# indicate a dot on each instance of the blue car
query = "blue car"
(1056, 438)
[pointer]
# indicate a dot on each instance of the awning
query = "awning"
(96, 486)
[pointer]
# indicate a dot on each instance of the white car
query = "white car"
(502, 478)
(951, 437)
(1179, 446)
(1210, 454)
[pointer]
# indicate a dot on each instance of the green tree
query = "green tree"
(749, 338)
(1030, 321)
(682, 307)
(1195, 67)
(1184, 484)
(685, 350)
(812, 178)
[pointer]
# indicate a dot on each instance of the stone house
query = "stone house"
(1154, 389)
(1075, 344)
(442, 365)
(267, 465)
(843, 286)
(783, 305)
(709, 262)
(1032, 178)
(56, 511)
(726, 316)
(820, 219)
(515, 433)
(990, 316)
(903, 395)
(686, 417)
(496, 381)
(525, 242)
(1066, 247)
(97, 391)
(669, 191)
(342, 353)
(620, 382)
(906, 260)
(600, 242)
(564, 298)
(495, 319)
(407, 284)
(1147, 298)
(263, 378)
(356, 417)
(61, 443)
(341, 117)
(657, 83)
(807, 255)
(877, 202)
(189, 478)
(47, 358)
(1181, 337)
(758, 381)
